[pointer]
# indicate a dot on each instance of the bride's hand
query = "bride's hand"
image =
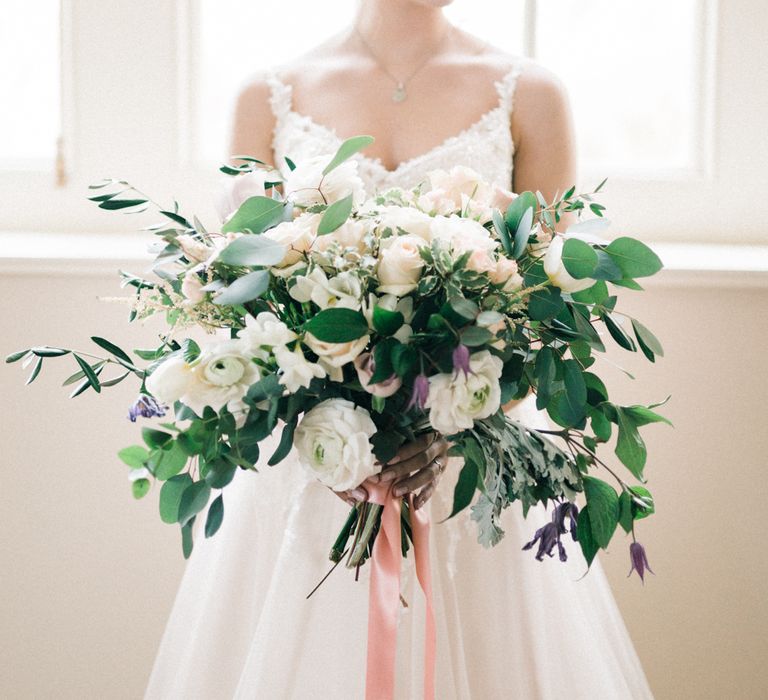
(417, 465)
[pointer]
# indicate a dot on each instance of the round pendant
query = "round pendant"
(399, 94)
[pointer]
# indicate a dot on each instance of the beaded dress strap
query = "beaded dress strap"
(507, 84)
(280, 95)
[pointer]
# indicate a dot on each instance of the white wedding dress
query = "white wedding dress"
(508, 626)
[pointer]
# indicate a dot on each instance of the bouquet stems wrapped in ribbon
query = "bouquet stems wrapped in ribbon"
(355, 321)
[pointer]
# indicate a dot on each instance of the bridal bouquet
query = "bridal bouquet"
(353, 322)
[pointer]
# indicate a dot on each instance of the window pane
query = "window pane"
(631, 70)
(30, 117)
(284, 30)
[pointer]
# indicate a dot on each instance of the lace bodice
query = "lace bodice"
(486, 145)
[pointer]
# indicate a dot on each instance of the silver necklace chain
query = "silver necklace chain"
(399, 93)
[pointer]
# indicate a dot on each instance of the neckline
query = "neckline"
(504, 88)
(377, 161)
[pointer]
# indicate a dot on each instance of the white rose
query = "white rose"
(459, 181)
(343, 291)
(400, 264)
(505, 272)
(301, 185)
(408, 219)
(297, 236)
(332, 441)
(456, 400)
(192, 287)
(556, 272)
(194, 249)
(351, 234)
(333, 356)
(392, 303)
(265, 329)
(462, 234)
(297, 370)
(437, 202)
(237, 189)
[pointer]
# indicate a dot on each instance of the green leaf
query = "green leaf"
(193, 500)
(155, 438)
(243, 289)
(187, 542)
(474, 336)
(545, 303)
(140, 488)
(286, 443)
(46, 351)
(190, 350)
(574, 403)
(601, 426)
(251, 251)
(170, 497)
(255, 215)
(111, 347)
(466, 308)
(35, 370)
(90, 375)
(500, 227)
(169, 461)
(465, 487)
(648, 342)
(404, 359)
(347, 150)
(335, 215)
(625, 511)
(215, 516)
(337, 325)
(630, 448)
(603, 504)
(134, 456)
(606, 268)
(516, 210)
(642, 502)
(115, 204)
(633, 257)
(618, 334)
(584, 534)
(386, 322)
(586, 329)
(16, 356)
(522, 233)
(642, 415)
(579, 258)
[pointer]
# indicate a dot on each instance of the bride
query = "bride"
(507, 626)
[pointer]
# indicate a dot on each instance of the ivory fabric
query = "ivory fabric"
(508, 626)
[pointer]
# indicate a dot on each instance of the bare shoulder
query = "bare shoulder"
(253, 119)
(541, 98)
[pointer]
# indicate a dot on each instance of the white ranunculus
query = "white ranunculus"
(332, 441)
(219, 377)
(169, 380)
(408, 219)
(237, 189)
(302, 184)
(297, 370)
(462, 234)
(297, 236)
(264, 330)
(333, 356)
(400, 264)
(556, 272)
(456, 400)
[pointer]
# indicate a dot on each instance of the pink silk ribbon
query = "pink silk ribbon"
(384, 596)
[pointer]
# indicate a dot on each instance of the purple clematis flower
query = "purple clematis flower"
(548, 536)
(461, 361)
(639, 560)
(147, 407)
(419, 393)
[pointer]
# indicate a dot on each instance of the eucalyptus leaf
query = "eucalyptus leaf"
(634, 257)
(335, 215)
(255, 215)
(251, 251)
(215, 516)
(170, 497)
(193, 500)
(579, 258)
(347, 150)
(337, 325)
(244, 289)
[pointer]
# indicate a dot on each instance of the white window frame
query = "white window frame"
(159, 116)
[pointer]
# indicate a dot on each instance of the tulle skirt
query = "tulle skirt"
(508, 626)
